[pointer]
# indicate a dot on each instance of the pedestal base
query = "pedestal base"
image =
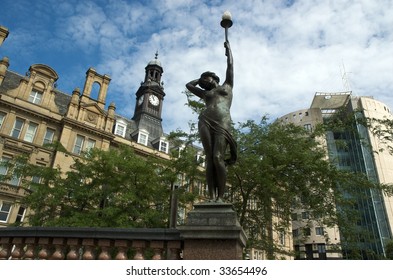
(212, 232)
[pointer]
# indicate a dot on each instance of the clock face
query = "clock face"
(140, 100)
(154, 100)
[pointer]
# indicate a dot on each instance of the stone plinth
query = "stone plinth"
(212, 232)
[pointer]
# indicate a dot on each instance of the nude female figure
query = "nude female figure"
(214, 125)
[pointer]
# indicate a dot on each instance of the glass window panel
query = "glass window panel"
(120, 130)
(142, 139)
(16, 130)
(21, 214)
(90, 144)
(48, 138)
(5, 209)
(35, 97)
(2, 117)
(30, 132)
(78, 144)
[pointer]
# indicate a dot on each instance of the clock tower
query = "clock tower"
(149, 100)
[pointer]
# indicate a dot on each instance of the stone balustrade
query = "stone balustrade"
(32, 243)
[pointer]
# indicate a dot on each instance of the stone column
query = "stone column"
(212, 232)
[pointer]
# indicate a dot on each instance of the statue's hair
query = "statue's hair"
(211, 74)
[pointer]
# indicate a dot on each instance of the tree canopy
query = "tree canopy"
(114, 188)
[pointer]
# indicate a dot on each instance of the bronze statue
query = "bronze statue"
(215, 123)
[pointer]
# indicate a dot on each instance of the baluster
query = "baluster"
(174, 250)
(30, 245)
(104, 244)
(158, 247)
(73, 253)
(17, 251)
(122, 247)
(139, 247)
(89, 253)
(58, 254)
(43, 242)
(5, 243)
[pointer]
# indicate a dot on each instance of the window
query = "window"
(120, 129)
(2, 117)
(294, 216)
(282, 237)
(35, 180)
(16, 130)
(78, 144)
(319, 231)
(5, 209)
(81, 144)
(48, 138)
(30, 133)
(322, 251)
(90, 144)
(295, 233)
(142, 138)
(305, 215)
(163, 147)
(3, 168)
(35, 96)
(15, 179)
(308, 127)
(307, 231)
(201, 159)
(21, 214)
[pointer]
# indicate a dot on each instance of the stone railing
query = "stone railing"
(32, 243)
(212, 232)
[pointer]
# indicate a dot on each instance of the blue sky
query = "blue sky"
(284, 50)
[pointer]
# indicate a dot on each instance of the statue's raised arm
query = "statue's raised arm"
(229, 73)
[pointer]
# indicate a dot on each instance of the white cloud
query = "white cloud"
(284, 51)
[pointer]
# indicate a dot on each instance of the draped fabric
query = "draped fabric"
(218, 129)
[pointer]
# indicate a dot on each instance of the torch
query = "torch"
(226, 22)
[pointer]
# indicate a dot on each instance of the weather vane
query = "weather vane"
(226, 22)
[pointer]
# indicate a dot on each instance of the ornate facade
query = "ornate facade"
(33, 113)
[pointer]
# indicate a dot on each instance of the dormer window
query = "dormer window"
(120, 128)
(35, 96)
(163, 146)
(143, 137)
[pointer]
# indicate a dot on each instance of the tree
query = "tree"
(114, 188)
(283, 167)
(389, 250)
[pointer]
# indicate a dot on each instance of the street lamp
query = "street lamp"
(226, 22)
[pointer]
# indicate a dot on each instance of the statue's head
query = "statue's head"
(208, 80)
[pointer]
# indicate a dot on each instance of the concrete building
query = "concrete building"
(375, 207)
(33, 112)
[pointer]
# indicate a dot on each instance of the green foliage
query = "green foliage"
(389, 250)
(113, 188)
(282, 167)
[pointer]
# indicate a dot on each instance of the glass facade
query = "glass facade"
(351, 150)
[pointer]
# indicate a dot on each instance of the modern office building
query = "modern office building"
(359, 152)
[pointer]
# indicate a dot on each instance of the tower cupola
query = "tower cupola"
(154, 71)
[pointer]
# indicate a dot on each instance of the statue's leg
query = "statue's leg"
(220, 144)
(206, 140)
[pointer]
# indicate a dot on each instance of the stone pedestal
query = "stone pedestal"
(212, 232)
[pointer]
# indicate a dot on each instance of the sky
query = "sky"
(284, 51)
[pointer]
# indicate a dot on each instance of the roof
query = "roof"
(326, 101)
